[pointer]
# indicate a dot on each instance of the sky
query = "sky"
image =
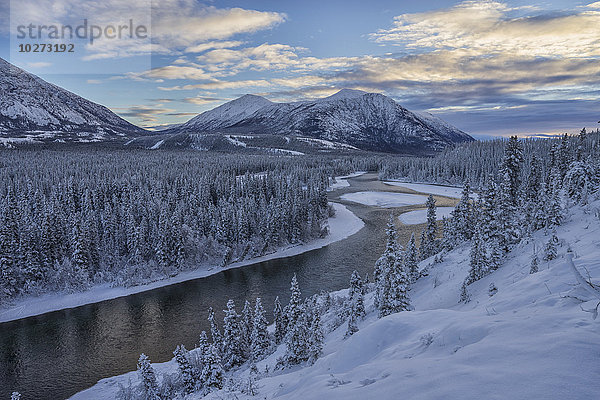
(491, 68)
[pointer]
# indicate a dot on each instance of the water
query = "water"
(55, 355)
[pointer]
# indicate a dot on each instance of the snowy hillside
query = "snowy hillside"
(31, 105)
(368, 121)
(225, 115)
(528, 338)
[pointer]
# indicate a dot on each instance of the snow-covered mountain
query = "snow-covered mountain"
(227, 114)
(31, 106)
(368, 121)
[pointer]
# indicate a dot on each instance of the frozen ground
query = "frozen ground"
(420, 216)
(384, 199)
(530, 340)
(344, 224)
(448, 191)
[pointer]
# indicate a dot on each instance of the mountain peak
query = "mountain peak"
(344, 94)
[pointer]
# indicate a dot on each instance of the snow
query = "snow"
(342, 181)
(234, 141)
(531, 340)
(341, 226)
(285, 151)
(439, 190)
(156, 145)
(420, 216)
(327, 144)
(384, 199)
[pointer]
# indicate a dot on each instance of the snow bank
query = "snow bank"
(341, 226)
(420, 216)
(384, 199)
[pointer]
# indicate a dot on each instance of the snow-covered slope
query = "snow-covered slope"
(28, 104)
(368, 121)
(531, 340)
(225, 115)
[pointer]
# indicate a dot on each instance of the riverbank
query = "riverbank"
(341, 226)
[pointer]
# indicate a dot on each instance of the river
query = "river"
(55, 355)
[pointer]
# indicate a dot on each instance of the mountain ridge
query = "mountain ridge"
(368, 121)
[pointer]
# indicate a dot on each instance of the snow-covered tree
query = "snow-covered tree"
(534, 267)
(385, 264)
(278, 318)
(186, 371)
(215, 333)
(260, 339)
(246, 326)
(478, 260)
(465, 297)
(511, 169)
(550, 251)
(233, 346)
(356, 295)
(149, 387)
(356, 306)
(392, 280)
(294, 307)
(213, 375)
(429, 246)
(316, 338)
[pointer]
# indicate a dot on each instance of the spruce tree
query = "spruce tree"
(478, 262)
(392, 280)
(465, 297)
(294, 307)
(356, 295)
(384, 265)
(260, 339)
(534, 267)
(246, 326)
(148, 377)
(429, 247)
(316, 337)
(550, 251)
(278, 318)
(215, 333)
(212, 371)
(233, 346)
(186, 372)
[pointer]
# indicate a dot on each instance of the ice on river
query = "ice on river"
(384, 199)
(420, 216)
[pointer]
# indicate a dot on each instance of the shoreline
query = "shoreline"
(342, 225)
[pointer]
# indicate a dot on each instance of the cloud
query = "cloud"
(213, 45)
(143, 113)
(201, 100)
(176, 26)
(39, 64)
(488, 27)
(219, 85)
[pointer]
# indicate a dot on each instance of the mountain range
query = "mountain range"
(368, 121)
(33, 110)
